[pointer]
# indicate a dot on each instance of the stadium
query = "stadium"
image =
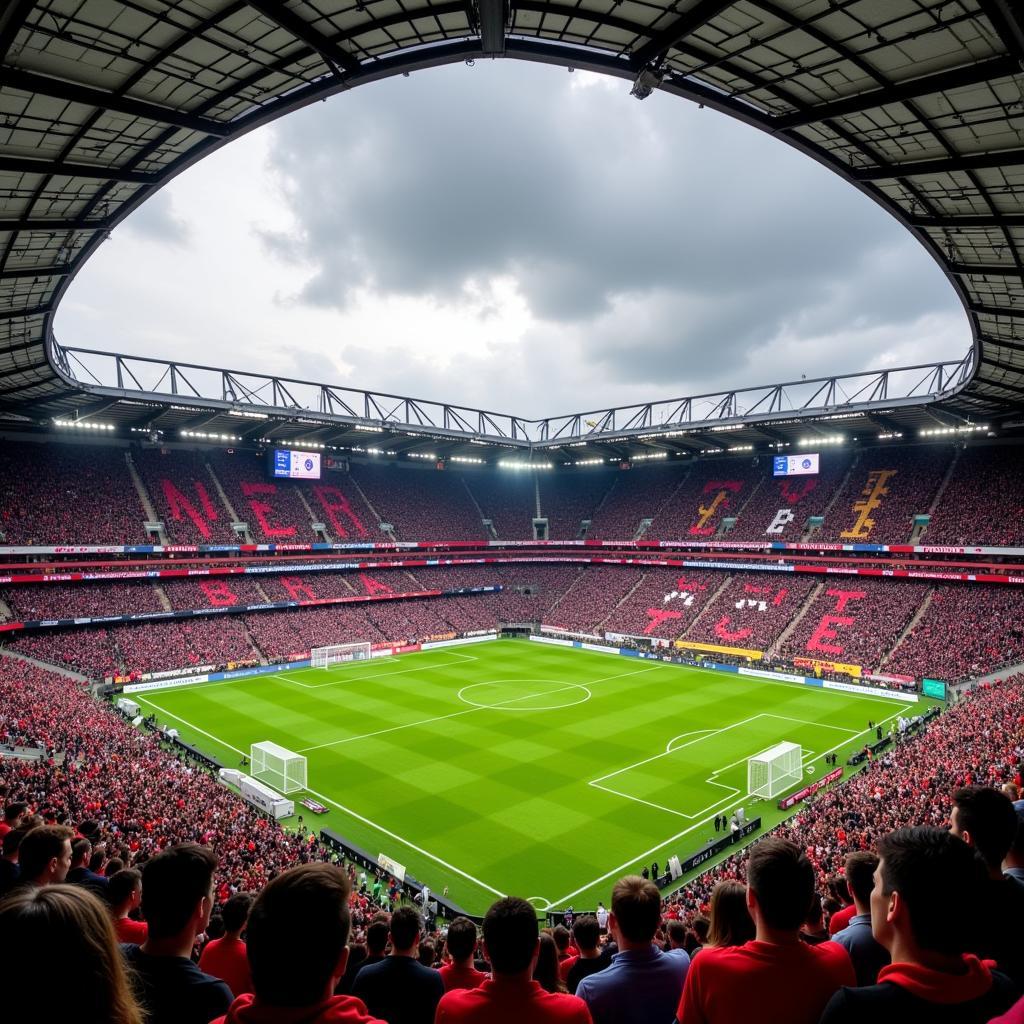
(633, 659)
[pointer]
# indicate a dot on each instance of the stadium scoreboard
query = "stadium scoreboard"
(290, 464)
(795, 465)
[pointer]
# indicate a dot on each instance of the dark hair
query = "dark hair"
(988, 816)
(676, 931)
(40, 845)
(377, 937)
(297, 930)
(461, 939)
(919, 864)
(63, 925)
(782, 879)
(122, 884)
(236, 910)
(860, 874)
(545, 970)
(173, 882)
(510, 935)
(561, 936)
(731, 923)
(12, 840)
(427, 953)
(80, 850)
(406, 928)
(586, 931)
(636, 904)
(1017, 845)
(15, 810)
(700, 927)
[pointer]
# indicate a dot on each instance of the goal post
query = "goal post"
(337, 654)
(277, 767)
(775, 770)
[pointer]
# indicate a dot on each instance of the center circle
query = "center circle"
(524, 694)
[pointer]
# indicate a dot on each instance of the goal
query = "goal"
(282, 769)
(775, 770)
(336, 654)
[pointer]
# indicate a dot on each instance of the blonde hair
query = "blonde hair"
(65, 932)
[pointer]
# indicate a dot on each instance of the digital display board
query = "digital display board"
(795, 465)
(933, 688)
(285, 463)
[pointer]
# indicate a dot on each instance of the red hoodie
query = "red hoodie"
(336, 1010)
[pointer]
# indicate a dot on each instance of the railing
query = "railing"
(265, 396)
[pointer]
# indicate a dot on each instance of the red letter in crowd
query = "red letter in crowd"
(794, 492)
(176, 502)
(824, 631)
(657, 617)
(374, 586)
(333, 501)
(261, 509)
(218, 593)
(844, 597)
(723, 633)
(298, 590)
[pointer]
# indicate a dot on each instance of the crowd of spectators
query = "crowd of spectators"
(856, 622)
(509, 500)
(752, 611)
(183, 496)
(715, 489)
(800, 496)
(962, 634)
(67, 494)
(897, 484)
(420, 504)
(566, 499)
(665, 603)
(635, 495)
(983, 503)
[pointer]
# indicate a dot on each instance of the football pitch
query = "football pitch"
(511, 767)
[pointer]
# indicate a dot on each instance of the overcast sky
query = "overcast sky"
(519, 238)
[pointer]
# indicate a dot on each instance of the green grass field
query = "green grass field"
(513, 767)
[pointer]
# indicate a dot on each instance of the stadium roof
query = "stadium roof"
(919, 104)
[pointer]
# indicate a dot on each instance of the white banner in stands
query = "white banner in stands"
(910, 698)
(550, 640)
(165, 684)
(762, 674)
(457, 642)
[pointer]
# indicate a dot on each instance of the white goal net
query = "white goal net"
(281, 769)
(774, 771)
(337, 654)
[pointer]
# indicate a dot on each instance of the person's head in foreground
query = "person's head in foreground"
(511, 937)
(636, 912)
(60, 956)
(780, 888)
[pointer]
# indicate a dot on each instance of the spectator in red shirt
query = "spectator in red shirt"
(14, 814)
(124, 894)
(296, 940)
(775, 977)
(510, 995)
(931, 977)
(225, 957)
(461, 945)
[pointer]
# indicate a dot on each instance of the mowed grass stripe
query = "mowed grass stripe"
(504, 795)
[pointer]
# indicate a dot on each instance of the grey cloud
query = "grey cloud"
(157, 220)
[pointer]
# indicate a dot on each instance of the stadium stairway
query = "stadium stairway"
(840, 488)
(144, 498)
(917, 616)
(350, 479)
(795, 621)
(919, 532)
(5, 610)
(618, 604)
(708, 605)
(161, 596)
(219, 488)
(309, 511)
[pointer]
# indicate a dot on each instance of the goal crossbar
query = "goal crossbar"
(338, 654)
(775, 770)
(278, 767)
